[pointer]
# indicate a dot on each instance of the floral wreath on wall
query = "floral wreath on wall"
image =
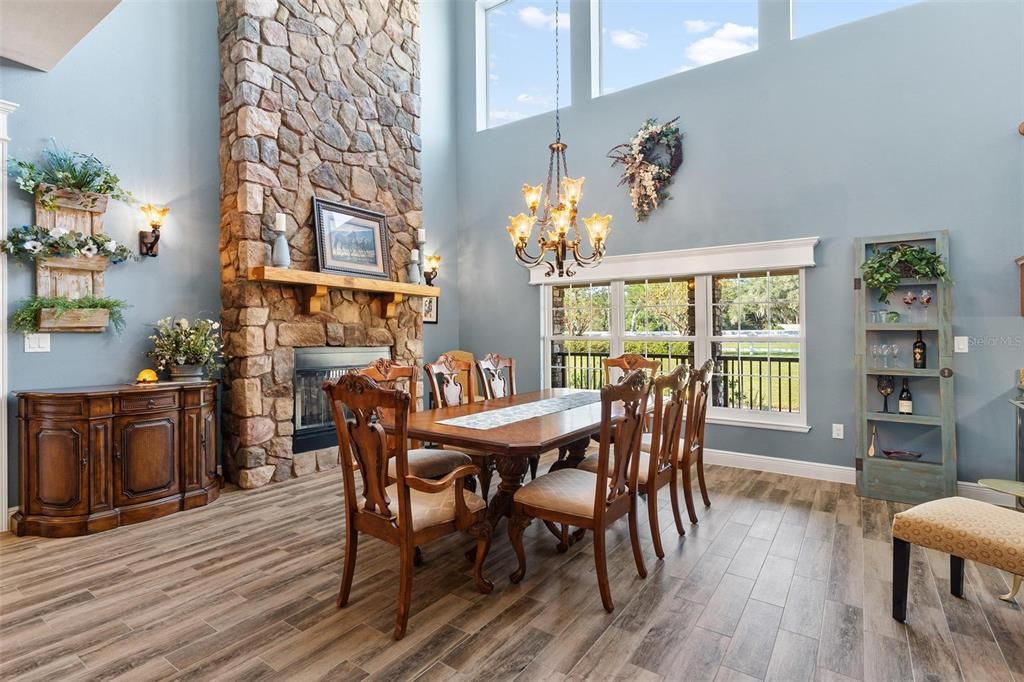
(649, 161)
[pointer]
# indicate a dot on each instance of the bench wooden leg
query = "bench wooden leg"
(956, 576)
(900, 578)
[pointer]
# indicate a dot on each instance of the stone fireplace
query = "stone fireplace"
(318, 98)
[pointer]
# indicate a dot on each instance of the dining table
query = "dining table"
(563, 419)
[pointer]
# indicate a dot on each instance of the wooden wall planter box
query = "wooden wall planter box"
(80, 320)
(95, 459)
(76, 211)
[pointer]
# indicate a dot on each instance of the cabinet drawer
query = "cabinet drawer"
(147, 402)
(58, 407)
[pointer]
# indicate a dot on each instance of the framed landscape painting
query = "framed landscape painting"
(351, 241)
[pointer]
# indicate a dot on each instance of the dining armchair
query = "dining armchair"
(658, 463)
(410, 512)
(423, 462)
(498, 378)
(450, 385)
(627, 362)
(692, 451)
(593, 500)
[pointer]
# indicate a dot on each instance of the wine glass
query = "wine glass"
(895, 350)
(886, 384)
(909, 297)
(925, 300)
(876, 353)
(886, 350)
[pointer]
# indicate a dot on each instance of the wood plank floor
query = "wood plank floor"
(783, 579)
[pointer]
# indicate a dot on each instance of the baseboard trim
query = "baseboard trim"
(833, 472)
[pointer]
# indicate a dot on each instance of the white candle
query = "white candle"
(281, 224)
(421, 235)
(414, 256)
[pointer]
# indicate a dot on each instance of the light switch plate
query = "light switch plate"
(961, 344)
(37, 343)
(837, 431)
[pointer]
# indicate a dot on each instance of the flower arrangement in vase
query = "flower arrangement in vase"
(189, 349)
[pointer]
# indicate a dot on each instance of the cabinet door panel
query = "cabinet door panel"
(146, 458)
(100, 459)
(59, 465)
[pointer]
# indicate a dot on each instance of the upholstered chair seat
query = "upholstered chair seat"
(589, 463)
(431, 462)
(435, 509)
(566, 491)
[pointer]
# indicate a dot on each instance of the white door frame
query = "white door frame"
(5, 109)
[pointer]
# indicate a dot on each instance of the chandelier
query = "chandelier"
(559, 233)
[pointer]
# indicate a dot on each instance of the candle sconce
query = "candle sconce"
(148, 241)
(430, 271)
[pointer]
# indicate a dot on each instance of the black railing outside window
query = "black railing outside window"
(750, 382)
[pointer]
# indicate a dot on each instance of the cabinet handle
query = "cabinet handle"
(151, 403)
(85, 462)
(117, 452)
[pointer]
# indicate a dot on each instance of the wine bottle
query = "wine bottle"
(920, 352)
(906, 405)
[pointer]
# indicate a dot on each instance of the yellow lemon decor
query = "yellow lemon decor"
(146, 376)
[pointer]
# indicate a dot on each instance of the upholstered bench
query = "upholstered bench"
(964, 529)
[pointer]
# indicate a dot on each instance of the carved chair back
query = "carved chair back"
(697, 410)
(618, 454)
(627, 362)
(389, 374)
(497, 375)
(355, 401)
(670, 393)
(449, 382)
(467, 377)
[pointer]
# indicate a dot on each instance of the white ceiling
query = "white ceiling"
(38, 33)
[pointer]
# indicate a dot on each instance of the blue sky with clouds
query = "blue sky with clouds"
(641, 40)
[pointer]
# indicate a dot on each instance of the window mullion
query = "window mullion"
(617, 321)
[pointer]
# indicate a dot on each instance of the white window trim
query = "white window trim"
(782, 254)
(5, 109)
(595, 49)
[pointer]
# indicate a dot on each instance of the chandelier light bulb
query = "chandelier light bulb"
(520, 227)
(598, 228)
(531, 194)
(560, 220)
(572, 190)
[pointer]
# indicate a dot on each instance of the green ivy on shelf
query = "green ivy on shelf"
(885, 269)
(26, 318)
(61, 169)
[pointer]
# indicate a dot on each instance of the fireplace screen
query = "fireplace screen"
(314, 425)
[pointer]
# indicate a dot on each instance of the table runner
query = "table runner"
(508, 415)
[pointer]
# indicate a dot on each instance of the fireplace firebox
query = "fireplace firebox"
(314, 426)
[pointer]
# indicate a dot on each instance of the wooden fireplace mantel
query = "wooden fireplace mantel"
(315, 286)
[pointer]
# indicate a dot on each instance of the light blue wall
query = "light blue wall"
(140, 91)
(902, 122)
(440, 213)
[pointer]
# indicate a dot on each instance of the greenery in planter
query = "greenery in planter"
(34, 243)
(884, 269)
(180, 342)
(61, 169)
(26, 318)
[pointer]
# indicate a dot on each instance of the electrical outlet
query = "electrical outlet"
(961, 344)
(837, 431)
(37, 343)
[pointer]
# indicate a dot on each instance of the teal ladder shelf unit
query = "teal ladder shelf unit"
(931, 429)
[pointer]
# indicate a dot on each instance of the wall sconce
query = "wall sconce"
(430, 272)
(148, 240)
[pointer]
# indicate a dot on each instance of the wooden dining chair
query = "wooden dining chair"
(627, 362)
(423, 462)
(658, 464)
(593, 501)
(449, 387)
(498, 378)
(692, 451)
(410, 512)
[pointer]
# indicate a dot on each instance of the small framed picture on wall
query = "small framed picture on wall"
(430, 310)
(351, 240)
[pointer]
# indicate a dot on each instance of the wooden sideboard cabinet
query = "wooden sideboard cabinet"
(97, 458)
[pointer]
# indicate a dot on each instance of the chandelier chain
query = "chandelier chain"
(558, 103)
